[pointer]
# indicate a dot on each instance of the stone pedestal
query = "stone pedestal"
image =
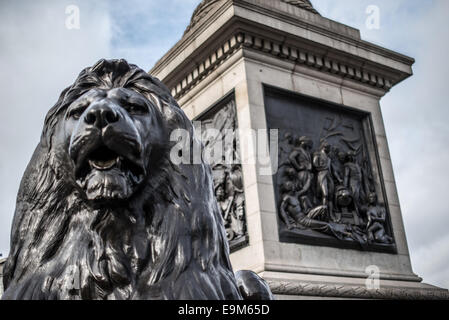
(280, 65)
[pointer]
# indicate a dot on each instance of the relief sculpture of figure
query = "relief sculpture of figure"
(376, 215)
(219, 174)
(300, 214)
(238, 210)
(325, 182)
(293, 213)
(353, 176)
(289, 205)
(218, 129)
(238, 216)
(224, 203)
(300, 158)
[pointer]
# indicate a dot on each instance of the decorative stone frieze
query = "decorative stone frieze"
(298, 55)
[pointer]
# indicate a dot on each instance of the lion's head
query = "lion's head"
(102, 212)
(113, 137)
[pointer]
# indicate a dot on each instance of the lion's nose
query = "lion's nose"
(100, 115)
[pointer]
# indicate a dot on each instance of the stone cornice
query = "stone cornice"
(201, 70)
(357, 71)
(354, 292)
(232, 26)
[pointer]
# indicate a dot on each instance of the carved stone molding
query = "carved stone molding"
(299, 55)
(201, 70)
(353, 292)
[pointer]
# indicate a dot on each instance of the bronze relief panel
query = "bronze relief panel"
(328, 186)
(218, 129)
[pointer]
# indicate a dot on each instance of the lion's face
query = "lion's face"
(110, 136)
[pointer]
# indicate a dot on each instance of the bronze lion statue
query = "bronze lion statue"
(102, 212)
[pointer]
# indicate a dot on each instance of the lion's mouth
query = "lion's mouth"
(103, 159)
(105, 174)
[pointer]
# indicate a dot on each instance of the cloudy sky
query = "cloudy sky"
(40, 56)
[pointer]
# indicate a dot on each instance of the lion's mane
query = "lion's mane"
(167, 242)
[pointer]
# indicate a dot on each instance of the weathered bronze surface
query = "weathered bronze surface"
(327, 190)
(102, 211)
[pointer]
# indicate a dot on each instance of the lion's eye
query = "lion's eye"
(76, 113)
(136, 108)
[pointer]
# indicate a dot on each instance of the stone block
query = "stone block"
(249, 258)
(382, 146)
(254, 225)
(316, 88)
(398, 230)
(387, 170)
(269, 224)
(392, 193)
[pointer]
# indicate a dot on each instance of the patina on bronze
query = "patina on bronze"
(102, 212)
